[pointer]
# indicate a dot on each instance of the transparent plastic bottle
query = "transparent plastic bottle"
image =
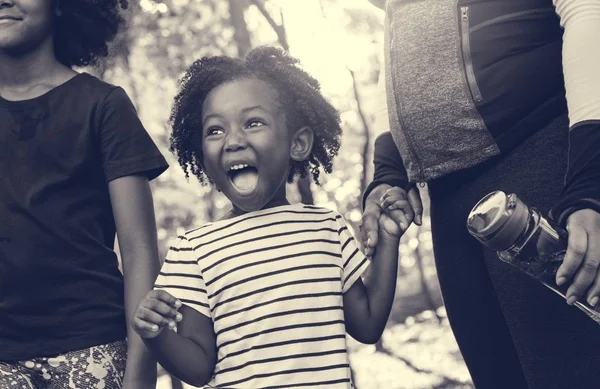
(525, 239)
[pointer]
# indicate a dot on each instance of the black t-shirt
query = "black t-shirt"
(60, 286)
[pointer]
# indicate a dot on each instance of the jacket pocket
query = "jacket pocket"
(536, 13)
(465, 40)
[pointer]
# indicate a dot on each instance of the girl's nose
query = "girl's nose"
(235, 141)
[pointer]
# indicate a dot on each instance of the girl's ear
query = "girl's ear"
(302, 143)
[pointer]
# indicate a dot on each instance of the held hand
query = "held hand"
(399, 211)
(582, 257)
(156, 311)
(401, 207)
(388, 228)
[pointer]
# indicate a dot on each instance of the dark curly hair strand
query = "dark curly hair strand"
(83, 29)
(298, 92)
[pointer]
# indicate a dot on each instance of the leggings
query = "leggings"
(98, 367)
(512, 331)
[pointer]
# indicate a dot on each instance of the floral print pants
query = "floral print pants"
(98, 367)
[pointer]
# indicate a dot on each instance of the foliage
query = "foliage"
(340, 43)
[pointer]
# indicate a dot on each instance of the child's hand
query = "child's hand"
(396, 207)
(155, 312)
(388, 227)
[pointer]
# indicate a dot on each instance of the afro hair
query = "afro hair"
(298, 92)
(84, 28)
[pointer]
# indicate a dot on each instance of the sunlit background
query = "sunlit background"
(340, 43)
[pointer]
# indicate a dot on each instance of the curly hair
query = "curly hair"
(299, 95)
(83, 29)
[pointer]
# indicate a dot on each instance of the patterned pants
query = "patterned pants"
(98, 367)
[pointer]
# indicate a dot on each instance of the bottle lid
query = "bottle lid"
(498, 219)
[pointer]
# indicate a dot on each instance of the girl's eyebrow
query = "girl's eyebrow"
(255, 107)
(244, 110)
(210, 116)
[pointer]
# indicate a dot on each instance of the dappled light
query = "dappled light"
(340, 43)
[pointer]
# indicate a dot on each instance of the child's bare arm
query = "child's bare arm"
(190, 353)
(367, 305)
(133, 211)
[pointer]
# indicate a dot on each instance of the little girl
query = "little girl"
(75, 162)
(263, 298)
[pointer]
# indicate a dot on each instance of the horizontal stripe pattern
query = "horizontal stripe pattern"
(272, 282)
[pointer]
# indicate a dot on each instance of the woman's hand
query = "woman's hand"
(583, 257)
(401, 207)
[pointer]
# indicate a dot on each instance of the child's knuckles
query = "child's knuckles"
(142, 313)
(141, 326)
(397, 191)
(163, 309)
(155, 293)
(151, 304)
(165, 296)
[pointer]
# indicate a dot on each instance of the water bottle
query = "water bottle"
(523, 238)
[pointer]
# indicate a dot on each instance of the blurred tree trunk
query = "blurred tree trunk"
(241, 35)
(303, 184)
(366, 133)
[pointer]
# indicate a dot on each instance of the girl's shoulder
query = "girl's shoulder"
(90, 86)
(266, 219)
(81, 91)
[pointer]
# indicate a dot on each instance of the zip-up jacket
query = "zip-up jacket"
(468, 80)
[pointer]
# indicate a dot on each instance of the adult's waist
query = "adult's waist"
(39, 345)
(38, 330)
(54, 305)
(466, 82)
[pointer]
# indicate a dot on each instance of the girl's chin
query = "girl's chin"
(248, 203)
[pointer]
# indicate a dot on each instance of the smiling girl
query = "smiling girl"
(264, 297)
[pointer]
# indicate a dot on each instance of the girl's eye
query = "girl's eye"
(255, 123)
(214, 131)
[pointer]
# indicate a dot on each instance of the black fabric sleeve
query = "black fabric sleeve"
(126, 147)
(582, 182)
(389, 168)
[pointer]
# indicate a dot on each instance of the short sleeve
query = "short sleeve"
(354, 262)
(126, 148)
(181, 277)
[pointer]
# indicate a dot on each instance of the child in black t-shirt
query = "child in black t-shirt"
(75, 165)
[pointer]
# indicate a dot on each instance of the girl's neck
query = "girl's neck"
(34, 69)
(275, 202)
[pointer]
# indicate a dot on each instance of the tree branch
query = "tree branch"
(278, 28)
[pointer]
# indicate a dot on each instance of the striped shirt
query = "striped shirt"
(272, 282)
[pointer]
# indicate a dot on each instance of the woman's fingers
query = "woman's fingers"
(414, 199)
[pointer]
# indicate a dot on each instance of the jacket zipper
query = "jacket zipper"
(466, 53)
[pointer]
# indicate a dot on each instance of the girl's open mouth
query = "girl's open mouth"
(243, 177)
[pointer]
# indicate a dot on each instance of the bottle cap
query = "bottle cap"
(498, 219)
